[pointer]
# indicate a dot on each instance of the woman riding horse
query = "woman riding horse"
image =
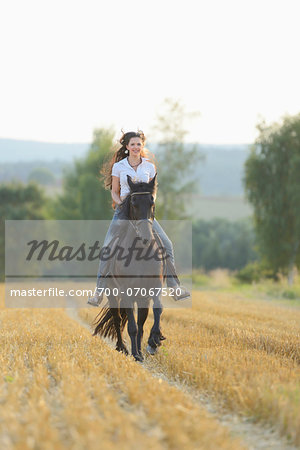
(142, 276)
(132, 159)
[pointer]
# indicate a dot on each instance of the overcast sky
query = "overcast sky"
(68, 67)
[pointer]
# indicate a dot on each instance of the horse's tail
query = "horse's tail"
(106, 322)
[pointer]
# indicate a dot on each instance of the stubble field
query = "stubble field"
(227, 376)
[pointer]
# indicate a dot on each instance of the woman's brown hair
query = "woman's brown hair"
(120, 154)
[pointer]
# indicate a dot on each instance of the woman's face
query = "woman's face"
(135, 146)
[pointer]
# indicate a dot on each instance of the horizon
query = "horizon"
(89, 142)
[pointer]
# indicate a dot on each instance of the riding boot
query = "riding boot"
(99, 290)
(172, 278)
(179, 292)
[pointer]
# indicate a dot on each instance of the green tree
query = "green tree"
(272, 185)
(19, 202)
(42, 175)
(84, 196)
(176, 161)
(222, 243)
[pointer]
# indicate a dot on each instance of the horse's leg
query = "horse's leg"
(142, 316)
(114, 305)
(132, 331)
(155, 333)
(120, 347)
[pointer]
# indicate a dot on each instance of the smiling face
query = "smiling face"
(135, 146)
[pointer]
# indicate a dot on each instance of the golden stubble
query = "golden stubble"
(62, 388)
(242, 353)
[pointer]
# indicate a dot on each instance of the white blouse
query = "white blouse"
(144, 172)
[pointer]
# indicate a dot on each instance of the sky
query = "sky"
(68, 67)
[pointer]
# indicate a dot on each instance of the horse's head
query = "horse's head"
(139, 205)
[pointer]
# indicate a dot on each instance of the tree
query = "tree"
(42, 175)
(176, 161)
(221, 243)
(84, 196)
(272, 185)
(19, 202)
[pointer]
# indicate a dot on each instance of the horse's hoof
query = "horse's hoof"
(154, 340)
(139, 357)
(151, 350)
(122, 349)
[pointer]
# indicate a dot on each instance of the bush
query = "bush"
(289, 294)
(254, 272)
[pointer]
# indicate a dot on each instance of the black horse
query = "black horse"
(139, 281)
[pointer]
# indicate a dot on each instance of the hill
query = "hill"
(219, 174)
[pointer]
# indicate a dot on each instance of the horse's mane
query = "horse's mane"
(137, 187)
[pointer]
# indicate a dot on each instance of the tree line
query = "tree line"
(271, 181)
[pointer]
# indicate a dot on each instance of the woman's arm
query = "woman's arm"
(115, 190)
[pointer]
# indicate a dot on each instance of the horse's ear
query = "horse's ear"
(153, 181)
(130, 182)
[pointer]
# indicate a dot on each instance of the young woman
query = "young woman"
(132, 159)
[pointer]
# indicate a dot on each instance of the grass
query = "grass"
(61, 388)
(224, 281)
(242, 352)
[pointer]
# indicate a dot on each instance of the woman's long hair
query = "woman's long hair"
(120, 154)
